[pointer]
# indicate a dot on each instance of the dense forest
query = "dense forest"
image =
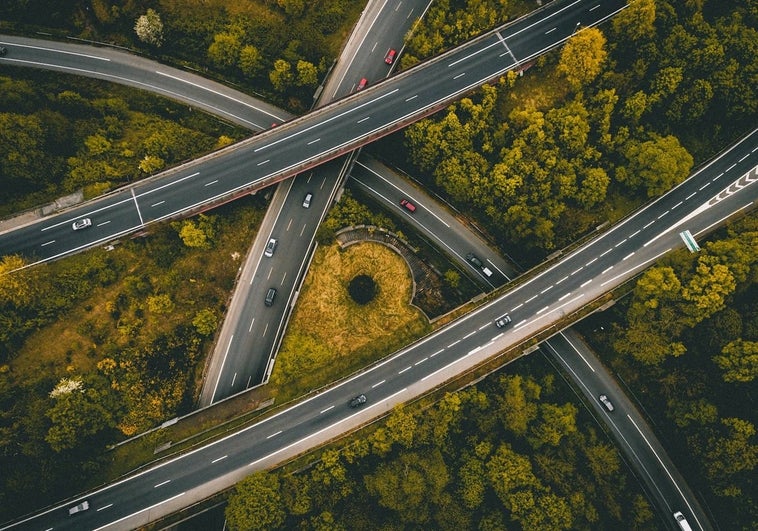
(509, 453)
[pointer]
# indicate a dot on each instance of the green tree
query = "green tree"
(193, 236)
(555, 422)
(149, 28)
(256, 503)
(281, 76)
(708, 289)
(205, 322)
(517, 406)
(656, 165)
(307, 74)
(582, 57)
(250, 61)
(79, 412)
(160, 304)
(410, 484)
(637, 21)
(293, 8)
(509, 471)
(225, 49)
(730, 452)
(151, 164)
(739, 361)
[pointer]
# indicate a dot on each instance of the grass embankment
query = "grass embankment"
(330, 334)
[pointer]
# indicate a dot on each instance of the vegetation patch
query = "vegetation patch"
(330, 334)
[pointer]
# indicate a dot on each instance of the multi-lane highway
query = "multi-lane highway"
(714, 192)
(308, 141)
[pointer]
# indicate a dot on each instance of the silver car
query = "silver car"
(81, 224)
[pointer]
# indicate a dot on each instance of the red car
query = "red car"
(390, 57)
(362, 84)
(410, 207)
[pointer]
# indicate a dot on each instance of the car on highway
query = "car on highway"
(358, 401)
(390, 57)
(607, 403)
(474, 260)
(362, 84)
(270, 296)
(503, 320)
(270, 247)
(682, 521)
(79, 507)
(307, 200)
(410, 207)
(80, 224)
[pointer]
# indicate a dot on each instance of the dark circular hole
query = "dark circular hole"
(362, 289)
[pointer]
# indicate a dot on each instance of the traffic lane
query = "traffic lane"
(432, 219)
(661, 477)
(132, 70)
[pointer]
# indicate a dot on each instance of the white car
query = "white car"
(270, 247)
(606, 402)
(81, 224)
(500, 322)
(79, 508)
(307, 200)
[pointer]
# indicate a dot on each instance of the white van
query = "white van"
(682, 521)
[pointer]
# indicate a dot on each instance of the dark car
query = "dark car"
(358, 401)
(270, 296)
(362, 84)
(473, 259)
(503, 320)
(3, 50)
(390, 57)
(410, 207)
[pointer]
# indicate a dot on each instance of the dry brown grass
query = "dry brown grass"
(330, 333)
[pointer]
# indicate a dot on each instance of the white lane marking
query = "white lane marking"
(605, 252)
(575, 272)
(264, 162)
(403, 370)
(136, 204)
(273, 434)
(635, 233)
(558, 308)
(517, 307)
(314, 141)
(219, 459)
(622, 242)
(585, 283)
(606, 270)
(409, 14)
(373, 48)
(484, 326)
(653, 259)
(47, 243)
(591, 261)
(527, 301)
(104, 507)
(440, 351)
(660, 462)
(327, 429)
(234, 379)
(659, 217)
(693, 194)
(561, 280)
(251, 325)
(327, 409)
(722, 173)
(743, 158)
(454, 343)
(469, 334)
(459, 75)
(223, 363)
(564, 296)
(457, 360)
(420, 361)
(627, 257)
(542, 310)
(162, 483)
(363, 120)
(704, 186)
(550, 31)
(172, 183)
(259, 109)
(146, 509)
(594, 8)
(411, 98)
(577, 351)
(546, 290)
(732, 166)
(646, 226)
(377, 384)
(210, 183)
(156, 204)
(289, 224)
(676, 205)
